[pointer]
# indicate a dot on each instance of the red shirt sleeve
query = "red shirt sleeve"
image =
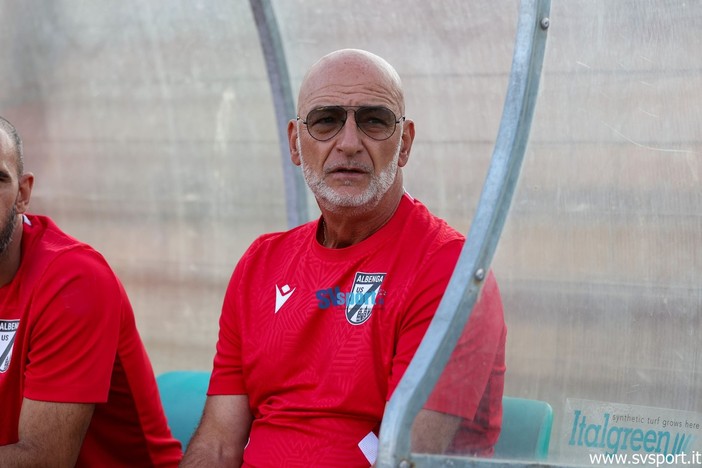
(472, 383)
(227, 372)
(77, 310)
(465, 378)
(425, 293)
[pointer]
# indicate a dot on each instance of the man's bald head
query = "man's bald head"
(356, 66)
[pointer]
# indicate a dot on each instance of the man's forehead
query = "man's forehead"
(350, 96)
(351, 81)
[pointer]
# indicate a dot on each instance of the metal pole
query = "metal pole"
(476, 256)
(284, 103)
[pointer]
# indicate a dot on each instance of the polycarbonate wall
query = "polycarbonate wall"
(151, 131)
(601, 258)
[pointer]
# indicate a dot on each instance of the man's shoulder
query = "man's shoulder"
(294, 237)
(46, 246)
(43, 233)
(423, 224)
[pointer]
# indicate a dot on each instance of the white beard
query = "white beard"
(332, 200)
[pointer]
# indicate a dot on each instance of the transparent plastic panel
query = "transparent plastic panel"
(150, 129)
(600, 264)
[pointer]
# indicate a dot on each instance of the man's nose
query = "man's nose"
(350, 135)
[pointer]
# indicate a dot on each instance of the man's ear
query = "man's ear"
(292, 142)
(26, 182)
(406, 145)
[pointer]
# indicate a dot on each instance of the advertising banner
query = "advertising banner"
(595, 432)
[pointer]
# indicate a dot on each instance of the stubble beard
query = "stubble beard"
(332, 200)
(8, 229)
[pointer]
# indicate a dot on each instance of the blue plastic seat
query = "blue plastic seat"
(526, 424)
(526, 429)
(183, 394)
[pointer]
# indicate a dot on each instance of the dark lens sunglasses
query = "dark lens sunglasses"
(378, 122)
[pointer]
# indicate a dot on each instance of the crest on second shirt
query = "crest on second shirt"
(8, 330)
(363, 296)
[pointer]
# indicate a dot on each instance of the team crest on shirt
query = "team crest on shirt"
(8, 329)
(363, 296)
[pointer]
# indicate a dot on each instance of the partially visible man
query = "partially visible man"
(76, 385)
(319, 323)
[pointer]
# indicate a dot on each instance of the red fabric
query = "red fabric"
(318, 383)
(77, 342)
(478, 359)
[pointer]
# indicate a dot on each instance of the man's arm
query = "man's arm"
(222, 435)
(432, 431)
(50, 434)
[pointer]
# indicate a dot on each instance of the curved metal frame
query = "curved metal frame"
(284, 103)
(476, 256)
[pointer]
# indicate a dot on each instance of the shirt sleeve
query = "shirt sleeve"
(73, 341)
(424, 295)
(477, 363)
(477, 359)
(227, 372)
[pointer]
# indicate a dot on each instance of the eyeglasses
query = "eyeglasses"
(378, 122)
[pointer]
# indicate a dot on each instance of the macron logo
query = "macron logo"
(282, 295)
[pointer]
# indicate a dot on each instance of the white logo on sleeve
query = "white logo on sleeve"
(282, 295)
(8, 330)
